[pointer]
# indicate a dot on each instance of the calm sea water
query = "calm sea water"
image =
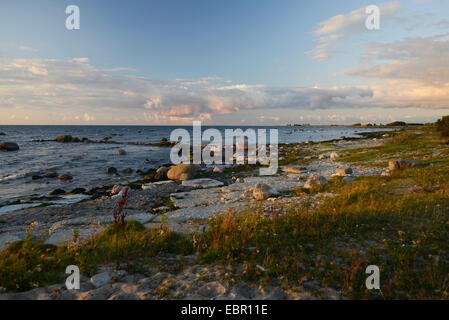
(87, 163)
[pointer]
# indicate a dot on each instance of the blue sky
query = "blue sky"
(222, 62)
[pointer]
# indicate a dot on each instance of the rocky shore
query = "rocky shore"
(185, 197)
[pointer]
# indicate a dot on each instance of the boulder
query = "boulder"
(78, 191)
(403, 164)
(121, 152)
(262, 192)
(65, 177)
(9, 146)
(322, 157)
(314, 181)
(334, 155)
(64, 138)
(182, 172)
(51, 175)
(74, 139)
(111, 170)
(343, 171)
(161, 172)
(116, 189)
(100, 279)
(127, 170)
(57, 192)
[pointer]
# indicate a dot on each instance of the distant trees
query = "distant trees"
(443, 126)
(397, 124)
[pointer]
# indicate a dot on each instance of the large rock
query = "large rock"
(111, 170)
(127, 170)
(65, 177)
(161, 172)
(403, 164)
(314, 181)
(322, 156)
(57, 192)
(262, 192)
(343, 171)
(9, 146)
(50, 175)
(334, 155)
(116, 189)
(64, 138)
(182, 172)
(121, 152)
(100, 279)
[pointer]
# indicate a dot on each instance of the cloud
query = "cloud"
(26, 48)
(75, 90)
(413, 72)
(332, 32)
(74, 85)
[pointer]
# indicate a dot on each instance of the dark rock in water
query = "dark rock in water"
(161, 173)
(111, 170)
(57, 192)
(127, 170)
(76, 139)
(65, 177)
(2, 134)
(9, 146)
(85, 140)
(37, 177)
(120, 152)
(51, 175)
(78, 191)
(164, 140)
(64, 138)
(140, 172)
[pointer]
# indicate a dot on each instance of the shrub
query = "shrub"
(443, 126)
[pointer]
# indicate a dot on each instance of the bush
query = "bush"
(443, 126)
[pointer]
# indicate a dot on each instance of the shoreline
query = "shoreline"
(97, 191)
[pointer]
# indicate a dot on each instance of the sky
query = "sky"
(252, 62)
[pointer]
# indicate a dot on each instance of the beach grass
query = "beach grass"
(399, 223)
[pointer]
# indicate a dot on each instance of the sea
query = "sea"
(87, 162)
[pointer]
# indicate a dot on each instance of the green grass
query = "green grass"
(400, 223)
(367, 223)
(27, 264)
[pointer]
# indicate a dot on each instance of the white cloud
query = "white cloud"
(26, 48)
(333, 31)
(74, 90)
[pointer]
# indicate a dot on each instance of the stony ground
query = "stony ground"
(172, 277)
(187, 206)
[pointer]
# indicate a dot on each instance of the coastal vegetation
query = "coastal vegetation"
(398, 222)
